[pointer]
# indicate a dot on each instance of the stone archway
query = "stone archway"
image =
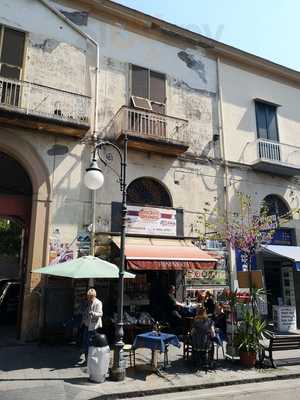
(12, 144)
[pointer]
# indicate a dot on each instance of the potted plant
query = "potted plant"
(250, 333)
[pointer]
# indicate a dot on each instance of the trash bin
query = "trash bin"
(98, 358)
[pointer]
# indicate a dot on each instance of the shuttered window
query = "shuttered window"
(12, 44)
(149, 85)
(266, 121)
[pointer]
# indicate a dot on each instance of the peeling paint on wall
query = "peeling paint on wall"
(77, 17)
(194, 64)
(47, 45)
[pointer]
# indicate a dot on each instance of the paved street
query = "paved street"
(280, 390)
(40, 372)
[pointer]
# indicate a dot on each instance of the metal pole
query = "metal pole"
(118, 370)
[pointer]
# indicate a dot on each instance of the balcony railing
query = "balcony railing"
(43, 101)
(273, 156)
(149, 126)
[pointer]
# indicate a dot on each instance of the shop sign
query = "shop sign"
(151, 221)
(283, 237)
(241, 260)
(205, 277)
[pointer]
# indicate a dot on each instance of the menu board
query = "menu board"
(285, 318)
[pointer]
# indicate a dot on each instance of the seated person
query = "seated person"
(201, 337)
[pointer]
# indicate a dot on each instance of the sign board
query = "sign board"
(241, 260)
(285, 318)
(205, 277)
(151, 221)
(244, 279)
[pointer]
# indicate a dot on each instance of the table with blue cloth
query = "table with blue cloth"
(157, 342)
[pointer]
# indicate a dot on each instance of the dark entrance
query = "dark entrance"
(272, 274)
(15, 207)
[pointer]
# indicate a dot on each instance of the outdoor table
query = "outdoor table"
(156, 342)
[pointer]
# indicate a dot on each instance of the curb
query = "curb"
(176, 389)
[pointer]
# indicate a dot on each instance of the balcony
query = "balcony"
(149, 131)
(273, 157)
(44, 108)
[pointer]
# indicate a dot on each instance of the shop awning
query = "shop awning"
(292, 253)
(165, 254)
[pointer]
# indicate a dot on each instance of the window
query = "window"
(12, 44)
(149, 85)
(267, 131)
(148, 191)
(276, 206)
(266, 121)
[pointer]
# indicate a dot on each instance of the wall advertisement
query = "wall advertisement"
(151, 221)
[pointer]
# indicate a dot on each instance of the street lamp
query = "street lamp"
(94, 179)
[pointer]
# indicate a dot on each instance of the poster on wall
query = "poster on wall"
(151, 221)
(59, 252)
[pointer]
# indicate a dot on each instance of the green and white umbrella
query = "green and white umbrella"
(84, 267)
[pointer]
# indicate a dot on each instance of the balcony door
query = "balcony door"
(151, 86)
(267, 131)
(12, 44)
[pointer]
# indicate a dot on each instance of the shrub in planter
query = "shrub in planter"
(249, 335)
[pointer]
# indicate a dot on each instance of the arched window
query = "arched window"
(148, 191)
(276, 206)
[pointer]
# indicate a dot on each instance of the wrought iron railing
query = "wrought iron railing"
(148, 124)
(39, 100)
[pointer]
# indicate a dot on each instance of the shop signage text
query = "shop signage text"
(151, 221)
(205, 277)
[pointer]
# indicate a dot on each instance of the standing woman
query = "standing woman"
(92, 319)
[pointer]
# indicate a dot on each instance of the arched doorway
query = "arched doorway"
(15, 214)
(148, 191)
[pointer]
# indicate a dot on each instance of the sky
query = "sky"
(267, 28)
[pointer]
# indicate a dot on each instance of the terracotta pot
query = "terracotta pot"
(248, 358)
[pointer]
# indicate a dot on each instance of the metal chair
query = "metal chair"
(130, 352)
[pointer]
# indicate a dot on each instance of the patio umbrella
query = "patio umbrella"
(84, 267)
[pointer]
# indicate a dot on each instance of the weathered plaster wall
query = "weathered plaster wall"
(259, 185)
(190, 86)
(239, 88)
(55, 55)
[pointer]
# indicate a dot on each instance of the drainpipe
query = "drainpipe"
(95, 116)
(226, 169)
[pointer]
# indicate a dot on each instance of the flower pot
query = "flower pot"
(248, 358)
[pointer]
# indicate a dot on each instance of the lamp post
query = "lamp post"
(94, 179)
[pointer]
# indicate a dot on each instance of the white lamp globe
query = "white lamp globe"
(93, 178)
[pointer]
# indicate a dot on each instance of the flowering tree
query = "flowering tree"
(245, 229)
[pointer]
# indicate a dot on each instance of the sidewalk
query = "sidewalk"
(42, 372)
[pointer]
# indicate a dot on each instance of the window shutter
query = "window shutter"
(262, 131)
(139, 81)
(271, 123)
(157, 87)
(13, 47)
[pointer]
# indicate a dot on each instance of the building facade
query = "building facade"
(202, 120)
